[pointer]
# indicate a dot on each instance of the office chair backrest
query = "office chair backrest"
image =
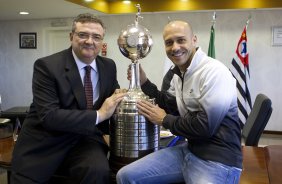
(257, 120)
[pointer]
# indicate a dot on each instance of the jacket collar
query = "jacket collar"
(74, 79)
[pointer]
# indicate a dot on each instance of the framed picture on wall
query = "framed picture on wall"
(28, 40)
(277, 36)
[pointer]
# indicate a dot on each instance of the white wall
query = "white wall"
(16, 64)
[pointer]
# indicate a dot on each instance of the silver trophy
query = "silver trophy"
(131, 135)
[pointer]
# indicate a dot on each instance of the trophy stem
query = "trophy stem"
(135, 77)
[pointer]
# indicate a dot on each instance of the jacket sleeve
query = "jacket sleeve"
(164, 99)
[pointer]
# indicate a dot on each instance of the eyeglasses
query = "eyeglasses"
(85, 36)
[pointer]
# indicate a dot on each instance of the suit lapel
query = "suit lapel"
(74, 79)
(102, 79)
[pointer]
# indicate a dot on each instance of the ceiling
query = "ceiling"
(118, 6)
(46, 9)
(41, 9)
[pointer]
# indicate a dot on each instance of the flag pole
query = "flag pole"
(211, 49)
(214, 19)
(248, 21)
(168, 19)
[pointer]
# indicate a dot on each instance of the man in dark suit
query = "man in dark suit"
(60, 133)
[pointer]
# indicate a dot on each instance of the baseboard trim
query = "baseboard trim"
(272, 132)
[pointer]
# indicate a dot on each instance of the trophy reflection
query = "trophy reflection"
(131, 135)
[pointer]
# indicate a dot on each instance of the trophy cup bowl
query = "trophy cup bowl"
(135, 42)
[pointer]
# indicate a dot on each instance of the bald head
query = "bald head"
(178, 25)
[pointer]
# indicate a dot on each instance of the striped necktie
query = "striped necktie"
(88, 87)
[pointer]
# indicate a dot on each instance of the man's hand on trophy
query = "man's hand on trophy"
(109, 106)
(153, 112)
(143, 77)
(121, 91)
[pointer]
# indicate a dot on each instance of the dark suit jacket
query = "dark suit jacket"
(58, 117)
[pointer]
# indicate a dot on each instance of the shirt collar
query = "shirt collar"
(81, 65)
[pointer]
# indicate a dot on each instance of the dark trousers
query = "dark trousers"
(85, 163)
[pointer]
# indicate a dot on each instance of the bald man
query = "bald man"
(204, 93)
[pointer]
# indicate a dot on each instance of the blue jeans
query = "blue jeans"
(177, 164)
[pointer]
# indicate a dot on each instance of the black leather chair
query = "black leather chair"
(257, 120)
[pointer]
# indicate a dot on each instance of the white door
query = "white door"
(57, 39)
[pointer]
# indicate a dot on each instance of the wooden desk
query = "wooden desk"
(6, 150)
(273, 155)
(254, 166)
